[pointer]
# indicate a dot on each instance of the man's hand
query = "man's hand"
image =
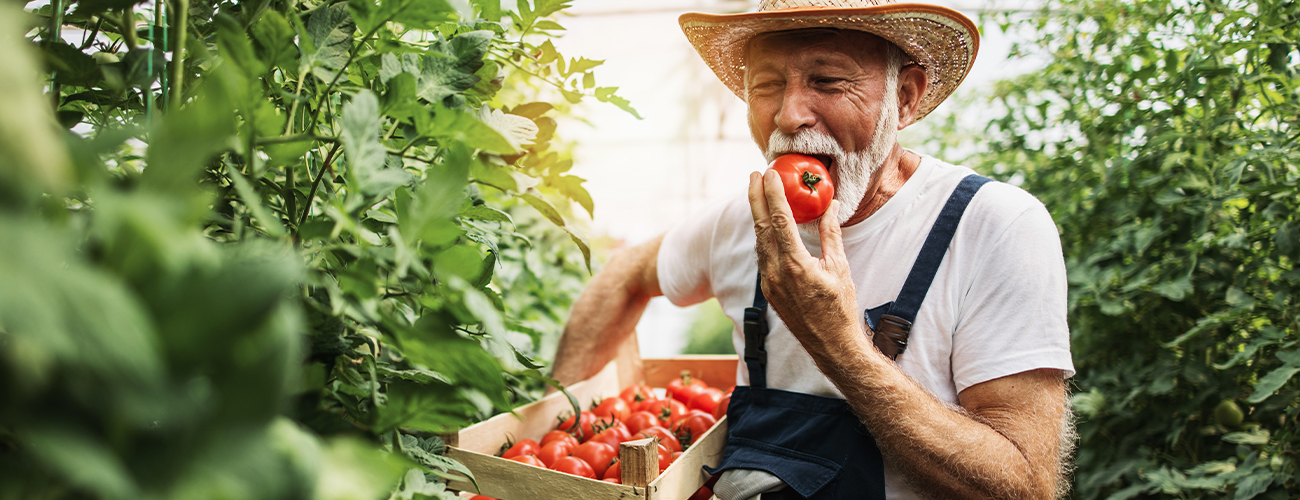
(815, 297)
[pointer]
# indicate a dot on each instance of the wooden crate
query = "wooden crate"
(476, 446)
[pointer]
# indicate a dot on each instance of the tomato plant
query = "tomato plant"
(807, 184)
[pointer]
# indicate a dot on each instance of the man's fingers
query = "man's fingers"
(757, 202)
(785, 232)
(831, 234)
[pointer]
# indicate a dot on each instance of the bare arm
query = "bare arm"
(607, 312)
(1001, 443)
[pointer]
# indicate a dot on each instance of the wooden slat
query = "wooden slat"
(685, 476)
(510, 480)
(534, 420)
(639, 462)
(717, 371)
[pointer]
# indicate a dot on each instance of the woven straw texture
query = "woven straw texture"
(941, 40)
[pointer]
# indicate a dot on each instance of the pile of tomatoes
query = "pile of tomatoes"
(587, 444)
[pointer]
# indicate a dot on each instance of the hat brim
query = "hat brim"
(941, 40)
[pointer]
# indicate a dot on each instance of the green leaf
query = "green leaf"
(1270, 383)
(1255, 437)
(251, 200)
(366, 155)
(581, 241)
(571, 186)
(582, 65)
(532, 110)
(606, 94)
(485, 213)
(534, 199)
(330, 29)
(82, 460)
(1175, 289)
(354, 470)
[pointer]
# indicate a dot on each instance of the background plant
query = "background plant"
(1163, 138)
(288, 244)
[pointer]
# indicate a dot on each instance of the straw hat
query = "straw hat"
(939, 39)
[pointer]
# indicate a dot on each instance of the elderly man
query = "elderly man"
(919, 346)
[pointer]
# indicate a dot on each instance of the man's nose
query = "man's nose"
(796, 110)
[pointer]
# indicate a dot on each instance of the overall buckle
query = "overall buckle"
(891, 335)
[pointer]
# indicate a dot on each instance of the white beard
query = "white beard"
(853, 171)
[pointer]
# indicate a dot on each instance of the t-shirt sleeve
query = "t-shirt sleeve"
(684, 259)
(1013, 317)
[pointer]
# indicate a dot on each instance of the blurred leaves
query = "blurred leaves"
(279, 275)
(1161, 135)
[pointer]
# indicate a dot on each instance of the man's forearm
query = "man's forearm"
(946, 451)
(607, 312)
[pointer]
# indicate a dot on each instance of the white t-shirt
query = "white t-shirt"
(996, 307)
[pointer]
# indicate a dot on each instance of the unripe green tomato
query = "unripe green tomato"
(1228, 414)
(105, 57)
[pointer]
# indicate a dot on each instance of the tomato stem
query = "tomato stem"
(810, 179)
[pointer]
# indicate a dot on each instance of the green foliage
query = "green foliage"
(1163, 137)
(711, 331)
(276, 264)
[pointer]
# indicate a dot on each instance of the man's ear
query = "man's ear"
(912, 82)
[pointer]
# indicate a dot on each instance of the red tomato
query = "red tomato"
(677, 389)
(612, 407)
(693, 426)
(704, 493)
(481, 497)
(665, 457)
(584, 430)
(528, 459)
(599, 455)
(664, 436)
(666, 409)
(721, 410)
(610, 436)
(572, 465)
(613, 480)
(614, 472)
(636, 394)
(523, 447)
(807, 185)
(558, 435)
(640, 420)
(706, 400)
(556, 450)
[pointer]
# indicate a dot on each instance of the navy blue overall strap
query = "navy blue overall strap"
(756, 337)
(936, 245)
(891, 323)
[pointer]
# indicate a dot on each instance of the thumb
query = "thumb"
(831, 234)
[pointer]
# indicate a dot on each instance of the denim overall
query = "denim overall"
(815, 444)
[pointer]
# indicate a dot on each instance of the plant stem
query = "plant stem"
(352, 54)
(126, 23)
(293, 108)
(53, 35)
(315, 184)
(180, 23)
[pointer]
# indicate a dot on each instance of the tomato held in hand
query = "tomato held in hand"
(807, 184)
(571, 465)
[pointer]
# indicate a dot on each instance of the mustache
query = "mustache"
(805, 141)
